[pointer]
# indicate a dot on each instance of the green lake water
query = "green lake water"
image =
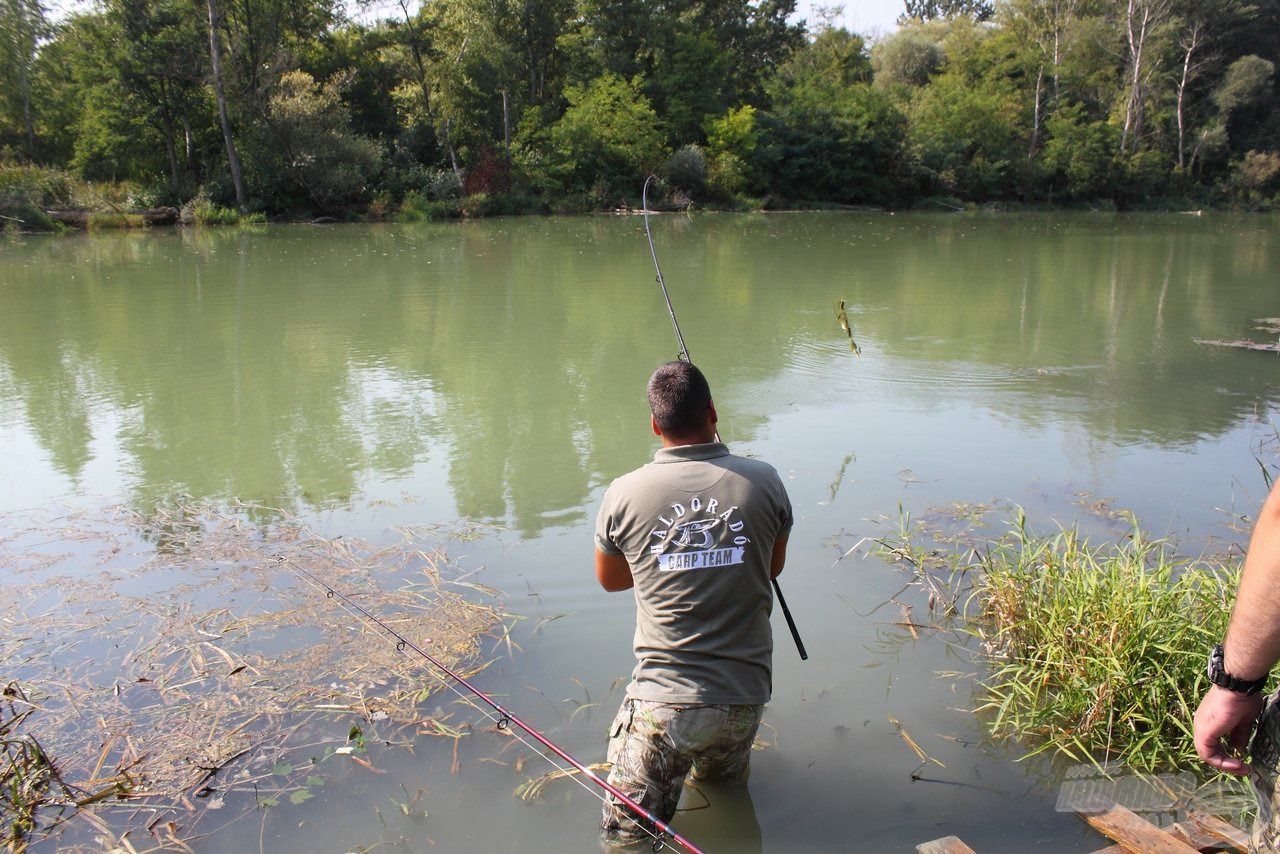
(368, 377)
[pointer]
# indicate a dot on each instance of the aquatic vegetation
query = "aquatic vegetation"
(1091, 652)
(1098, 651)
(173, 661)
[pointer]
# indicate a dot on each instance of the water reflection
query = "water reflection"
(307, 366)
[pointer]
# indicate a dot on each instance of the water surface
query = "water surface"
(364, 377)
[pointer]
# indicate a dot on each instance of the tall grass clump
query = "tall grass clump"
(1098, 653)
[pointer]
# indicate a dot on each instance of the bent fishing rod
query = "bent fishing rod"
(505, 718)
(684, 357)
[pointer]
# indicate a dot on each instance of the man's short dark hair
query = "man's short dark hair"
(679, 396)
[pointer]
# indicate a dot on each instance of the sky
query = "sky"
(864, 17)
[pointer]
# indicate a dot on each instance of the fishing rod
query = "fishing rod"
(684, 357)
(505, 719)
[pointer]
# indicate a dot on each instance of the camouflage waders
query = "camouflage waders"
(654, 745)
(1265, 752)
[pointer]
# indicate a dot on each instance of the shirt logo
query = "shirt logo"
(697, 542)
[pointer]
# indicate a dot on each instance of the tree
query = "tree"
(22, 27)
(1079, 152)
(828, 134)
(1043, 31)
(965, 137)
(1142, 20)
(909, 57)
(928, 10)
(215, 61)
(312, 126)
(161, 66)
(607, 139)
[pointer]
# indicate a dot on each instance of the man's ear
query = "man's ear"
(711, 412)
(653, 422)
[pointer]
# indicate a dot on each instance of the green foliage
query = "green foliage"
(1097, 653)
(572, 103)
(686, 170)
(311, 127)
(732, 140)
(605, 142)
(924, 10)
(1247, 82)
(688, 85)
(23, 25)
(202, 211)
(1254, 181)
(52, 189)
(101, 220)
(417, 206)
(909, 57)
(1078, 154)
(964, 139)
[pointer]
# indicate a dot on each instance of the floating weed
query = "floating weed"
(535, 787)
(170, 661)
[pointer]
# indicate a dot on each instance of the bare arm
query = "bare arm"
(613, 572)
(779, 559)
(1251, 648)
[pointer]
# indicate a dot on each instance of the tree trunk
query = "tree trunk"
(1194, 37)
(215, 58)
(1035, 118)
(417, 60)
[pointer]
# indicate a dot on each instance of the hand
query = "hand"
(1222, 727)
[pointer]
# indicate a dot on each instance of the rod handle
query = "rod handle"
(791, 623)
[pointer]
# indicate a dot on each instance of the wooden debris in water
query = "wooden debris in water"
(1241, 343)
(1194, 832)
(1270, 325)
(173, 660)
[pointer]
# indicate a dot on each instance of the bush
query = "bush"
(417, 206)
(687, 171)
(35, 186)
(24, 217)
(202, 211)
(1255, 178)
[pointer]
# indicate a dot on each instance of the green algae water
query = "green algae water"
(365, 378)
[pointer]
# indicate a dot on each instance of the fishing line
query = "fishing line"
(684, 357)
(504, 719)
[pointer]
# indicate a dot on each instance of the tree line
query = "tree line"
(490, 106)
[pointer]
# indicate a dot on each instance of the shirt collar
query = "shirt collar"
(681, 453)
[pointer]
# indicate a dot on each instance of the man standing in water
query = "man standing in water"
(1238, 669)
(699, 534)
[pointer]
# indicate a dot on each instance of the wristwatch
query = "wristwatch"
(1220, 677)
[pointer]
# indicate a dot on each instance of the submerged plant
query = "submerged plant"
(28, 778)
(1098, 652)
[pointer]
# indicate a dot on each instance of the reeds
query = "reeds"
(1097, 653)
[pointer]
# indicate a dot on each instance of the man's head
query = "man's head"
(680, 400)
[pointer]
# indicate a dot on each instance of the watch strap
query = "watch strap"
(1220, 677)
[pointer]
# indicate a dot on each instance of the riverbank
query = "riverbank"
(39, 200)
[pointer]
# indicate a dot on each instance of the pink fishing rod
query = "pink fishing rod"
(507, 717)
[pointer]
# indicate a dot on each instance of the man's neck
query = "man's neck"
(682, 441)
